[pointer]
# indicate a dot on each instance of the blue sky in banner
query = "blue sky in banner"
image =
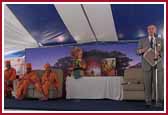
(39, 56)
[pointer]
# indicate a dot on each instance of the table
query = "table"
(94, 88)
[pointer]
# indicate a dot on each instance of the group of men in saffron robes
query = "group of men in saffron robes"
(42, 85)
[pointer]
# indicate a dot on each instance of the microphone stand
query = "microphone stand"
(156, 72)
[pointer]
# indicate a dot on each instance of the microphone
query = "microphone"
(155, 35)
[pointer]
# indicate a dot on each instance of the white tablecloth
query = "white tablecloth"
(94, 88)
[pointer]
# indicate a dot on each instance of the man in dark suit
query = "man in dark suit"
(152, 41)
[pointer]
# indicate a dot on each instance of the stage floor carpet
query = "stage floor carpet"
(78, 105)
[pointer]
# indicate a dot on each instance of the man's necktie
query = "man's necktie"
(151, 43)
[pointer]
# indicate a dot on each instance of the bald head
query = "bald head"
(47, 67)
(151, 30)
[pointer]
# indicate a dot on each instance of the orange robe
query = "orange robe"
(10, 75)
(49, 79)
(26, 80)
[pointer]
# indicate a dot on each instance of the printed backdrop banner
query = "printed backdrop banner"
(107, 59)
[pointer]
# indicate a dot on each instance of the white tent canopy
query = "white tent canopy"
(34, 25)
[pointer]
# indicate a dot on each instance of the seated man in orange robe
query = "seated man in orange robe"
(28, 78)
(10, 75)
(49, 79)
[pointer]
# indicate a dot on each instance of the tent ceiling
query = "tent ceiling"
(16, 36)
(43, 23)
(75, 20)
(102, 21)
(131, 20)
(31, 25)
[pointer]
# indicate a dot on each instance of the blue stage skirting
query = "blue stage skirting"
(79, 105)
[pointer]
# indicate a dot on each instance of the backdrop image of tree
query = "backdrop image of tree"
(122, 60)
(63, 63)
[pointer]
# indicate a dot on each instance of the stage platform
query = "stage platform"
(78, 105)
